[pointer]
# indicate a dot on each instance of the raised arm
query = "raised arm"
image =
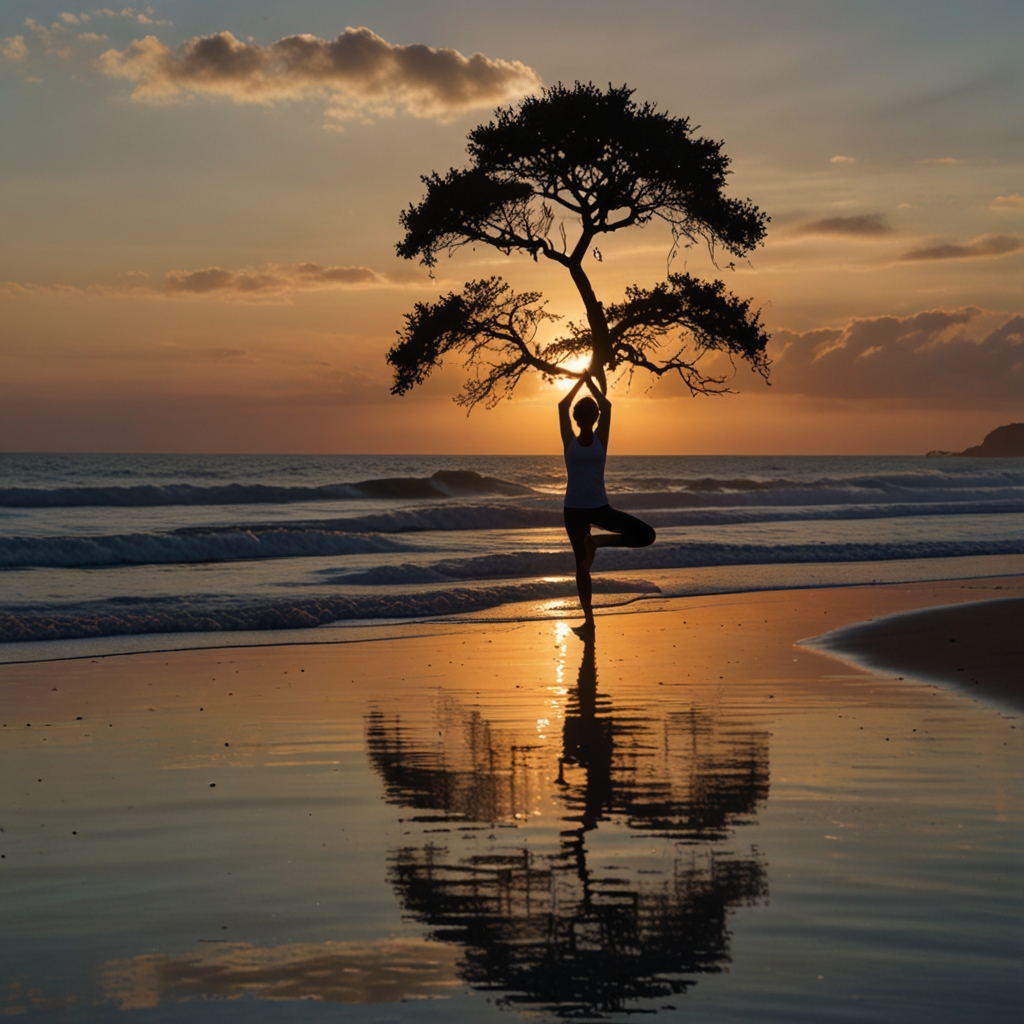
(604, 424)
(564, 423)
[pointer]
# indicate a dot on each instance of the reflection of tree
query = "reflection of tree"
(551, 928)
(696, 789)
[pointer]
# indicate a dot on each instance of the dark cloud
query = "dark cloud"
(277, 277)
(866, 225)
(992, 245)
(359, 71)
(928, 356)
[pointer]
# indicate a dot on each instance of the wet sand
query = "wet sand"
(690, 812)
(977, 647)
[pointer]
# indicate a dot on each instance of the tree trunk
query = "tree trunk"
(601, 342)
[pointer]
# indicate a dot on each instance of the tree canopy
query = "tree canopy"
(603, 163)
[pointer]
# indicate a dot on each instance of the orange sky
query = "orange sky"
(198, 236)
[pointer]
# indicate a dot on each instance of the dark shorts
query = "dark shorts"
(578, 521)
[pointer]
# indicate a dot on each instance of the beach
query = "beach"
(986, 661)
(692, 813)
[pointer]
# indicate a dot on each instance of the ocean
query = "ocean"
(109, 553)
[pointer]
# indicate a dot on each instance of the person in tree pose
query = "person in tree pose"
(586, 503)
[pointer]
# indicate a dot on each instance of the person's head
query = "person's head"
(585, 413)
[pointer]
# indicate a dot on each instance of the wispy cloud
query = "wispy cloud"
(358, 71)
(867, 225)
(1010, 202)
(52, 38)
(926, 356)
(843, 160)
(940, 160)
(276, 277)
(146, 17)
(980, 248)
(275, 280)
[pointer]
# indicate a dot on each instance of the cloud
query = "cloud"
(54, 38)
(927, 356)
(276, 277)
(940, 160)
(867, 225)
(358, 71)
(1010, 202)
(148, 17)
(50, 38)
(990, 245)
(14, 48)
(843, 160)
(21, 288)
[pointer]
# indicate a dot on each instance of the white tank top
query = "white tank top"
(585, 469)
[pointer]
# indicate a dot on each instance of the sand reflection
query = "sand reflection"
(343, 972)
(583, 916)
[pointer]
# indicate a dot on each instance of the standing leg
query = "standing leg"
(586, 591)
(577, 526)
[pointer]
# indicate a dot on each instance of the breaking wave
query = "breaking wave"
(375, 537)
(668, 556)
(174, 548)
(639, 492)
(446, 483)
(132, 616)
(375, 534)
(657, 510)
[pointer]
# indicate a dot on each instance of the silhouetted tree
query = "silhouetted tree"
(600, 159)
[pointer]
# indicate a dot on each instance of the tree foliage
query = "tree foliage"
(603, 163)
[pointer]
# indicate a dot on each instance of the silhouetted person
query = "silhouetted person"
(586, 503)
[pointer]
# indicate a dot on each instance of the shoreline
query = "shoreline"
(668, 586)
(975, 647)
(888, 629)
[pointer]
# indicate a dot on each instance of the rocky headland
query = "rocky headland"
(1003, 442)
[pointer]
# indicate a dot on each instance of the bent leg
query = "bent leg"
(626, 530)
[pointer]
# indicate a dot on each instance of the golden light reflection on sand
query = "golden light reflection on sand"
(331, 972)
(518, 790)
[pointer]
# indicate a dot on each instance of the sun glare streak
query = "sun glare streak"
(562, 630)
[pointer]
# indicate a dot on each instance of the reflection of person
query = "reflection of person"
(588, 741)
(586, 503)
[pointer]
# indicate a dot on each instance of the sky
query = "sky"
(200, 207)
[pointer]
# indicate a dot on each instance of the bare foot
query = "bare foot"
(585, 630)
(591, 549)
